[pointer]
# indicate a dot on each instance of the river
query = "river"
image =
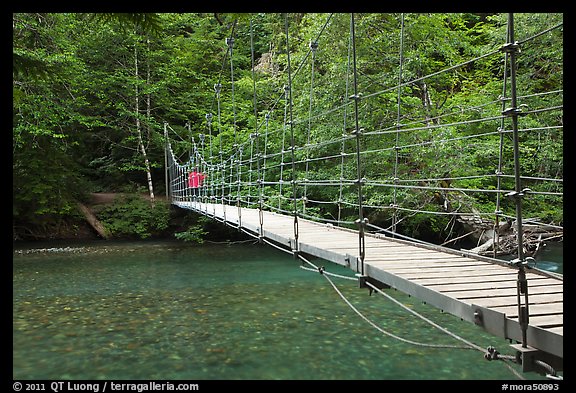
(167, 310)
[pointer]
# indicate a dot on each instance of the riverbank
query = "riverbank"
(118, 217)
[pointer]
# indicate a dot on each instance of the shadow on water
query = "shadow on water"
(167, 310)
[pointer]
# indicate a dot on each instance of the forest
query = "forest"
(93, 95)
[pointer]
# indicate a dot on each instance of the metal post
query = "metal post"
(202, 168)
(512, 49)
(210, 165)
(292, 142)
(358, 132)
(396, 146)
(166, 177)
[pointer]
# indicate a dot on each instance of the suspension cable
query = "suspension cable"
(344, 135)
(313, 48)
(358, 132)
(396, 148)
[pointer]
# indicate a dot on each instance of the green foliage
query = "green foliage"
(75, 86)
(194, 234)
(131, 215)
(147, 22)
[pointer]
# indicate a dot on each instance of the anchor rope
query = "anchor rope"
(489, 353)
(361, 315)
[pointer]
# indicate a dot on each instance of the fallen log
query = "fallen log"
(481, 249)
(93, 221)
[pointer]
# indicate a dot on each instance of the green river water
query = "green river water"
(167, 310)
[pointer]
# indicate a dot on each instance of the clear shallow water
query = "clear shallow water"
(551, 257)
(169, 311)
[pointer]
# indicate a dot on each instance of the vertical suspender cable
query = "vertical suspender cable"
(259, 175)
(230, 43)
(286, 100)
(513, 111)
(499, 173)
(240, 151)
(522, 284)
(210, 159)
(358, 132)
(292, 142)
(202, 166)
(254, 140)
(396, 146)
(344, 126)
(166, 171)
(188, 192)
(313, 48)
(218, 89)
(250, 169)
(263, 182)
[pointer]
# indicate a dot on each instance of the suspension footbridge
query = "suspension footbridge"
(309, 192)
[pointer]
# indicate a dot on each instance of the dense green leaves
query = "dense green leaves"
(131, 216)
(77, 79)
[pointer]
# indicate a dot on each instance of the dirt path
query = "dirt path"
(98, 198)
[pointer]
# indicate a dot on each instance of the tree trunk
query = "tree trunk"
(139, 130)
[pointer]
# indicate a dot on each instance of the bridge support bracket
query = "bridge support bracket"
(526, 356)
(348, 260)
(362, 280)
(294, 248)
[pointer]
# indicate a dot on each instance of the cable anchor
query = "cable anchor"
(518, 263)
(491, 354)
(313, 45)
(514, 111)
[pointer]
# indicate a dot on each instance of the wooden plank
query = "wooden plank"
(447, 287)
(446, 273)
(553, 320)
(472, 293)
(491, 278)
(343, 241)
(499, 301)
(332, 241)
(535, 309)
(453, 274)
(558, 330)
(431, 264)
(438, 265)
(382, 258)
(437, 261)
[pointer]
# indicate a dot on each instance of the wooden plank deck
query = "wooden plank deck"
(477, 289)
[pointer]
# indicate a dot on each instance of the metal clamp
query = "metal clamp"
(518, 194)
(511, 47)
